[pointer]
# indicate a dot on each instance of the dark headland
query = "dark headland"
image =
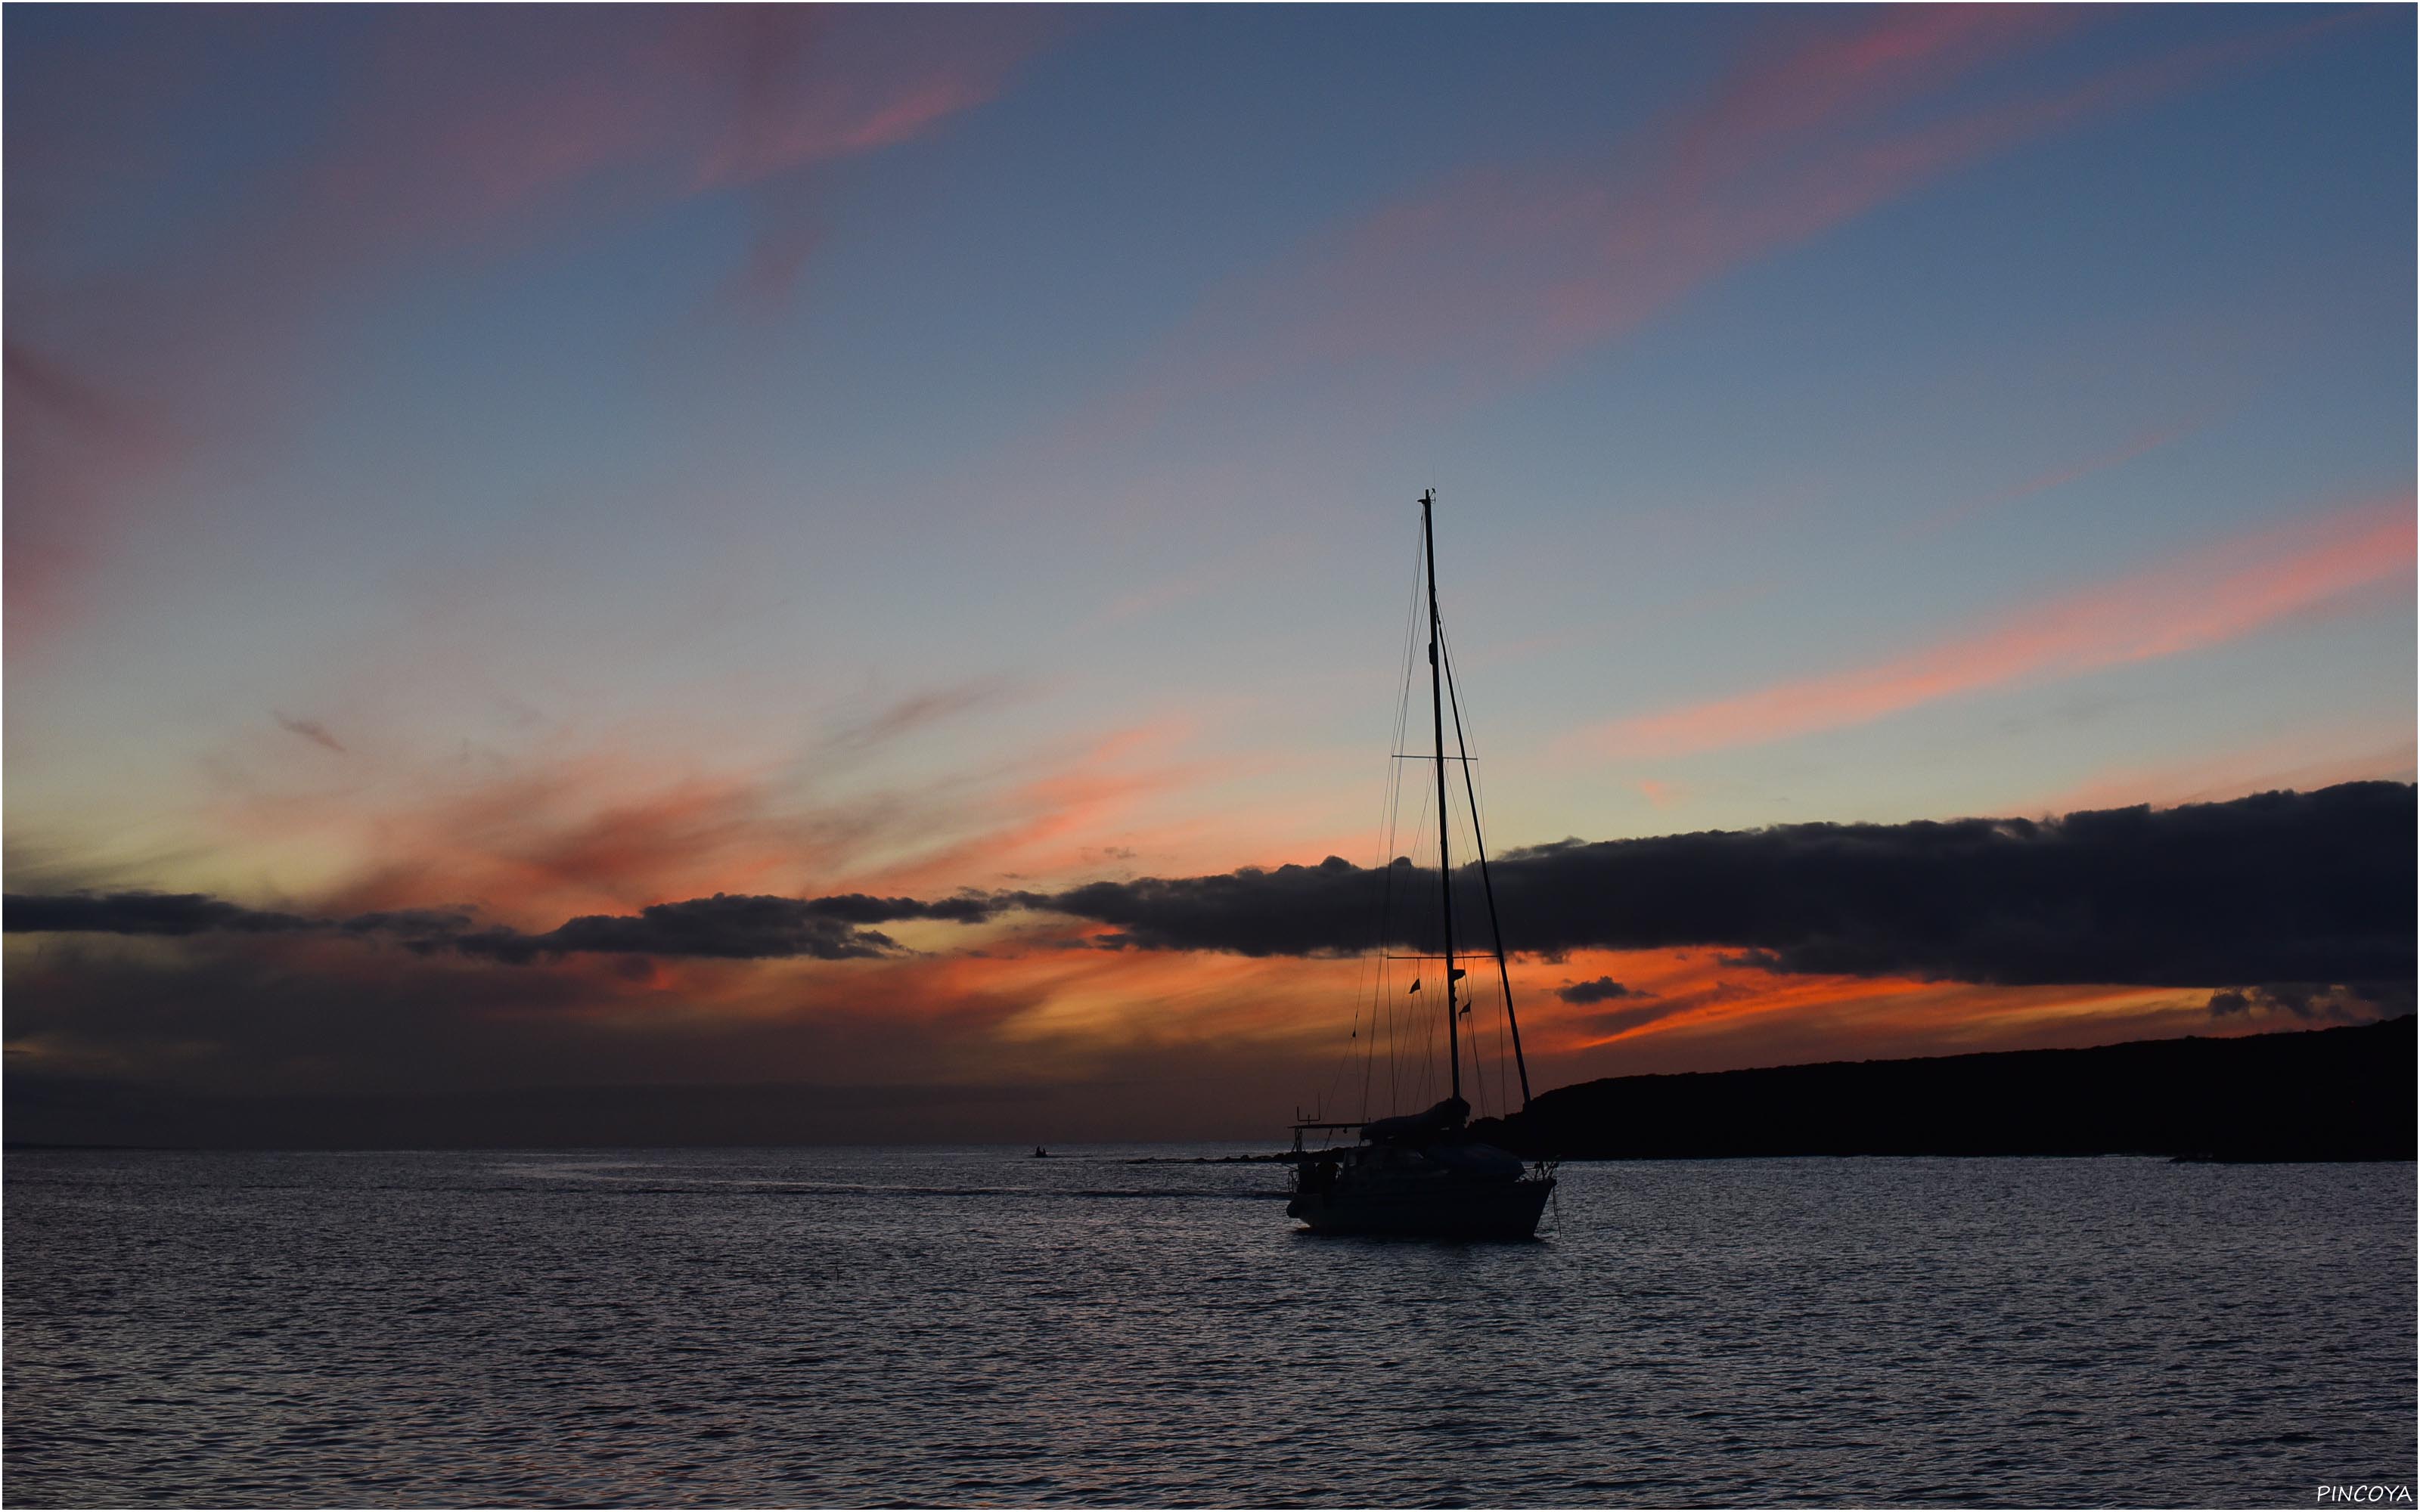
(2316, 1095)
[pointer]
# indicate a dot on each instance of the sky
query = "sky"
(826, 558)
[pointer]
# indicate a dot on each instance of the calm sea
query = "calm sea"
(976, 1327)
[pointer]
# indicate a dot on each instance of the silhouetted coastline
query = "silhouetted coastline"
(2313, 1095)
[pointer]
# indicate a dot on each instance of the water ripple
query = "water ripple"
(916, 1327)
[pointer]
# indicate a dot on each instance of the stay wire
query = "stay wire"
(1390, 822)
(1476, 784)
(1380, 974)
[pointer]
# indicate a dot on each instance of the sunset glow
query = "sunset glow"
(849, 480)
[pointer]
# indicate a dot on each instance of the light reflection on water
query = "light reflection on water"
(972, 1326)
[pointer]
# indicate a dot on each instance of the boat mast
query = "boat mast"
(1445, 864)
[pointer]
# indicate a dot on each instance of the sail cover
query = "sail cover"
(1445, 1117)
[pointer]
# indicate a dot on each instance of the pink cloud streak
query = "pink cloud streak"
(2056, 478)
(2216, 594)
(458, 133)
(1492, 275)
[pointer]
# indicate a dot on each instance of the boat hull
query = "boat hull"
(1442, 1210)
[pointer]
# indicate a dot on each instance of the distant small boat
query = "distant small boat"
(1423, 1173)
(1039, 1153)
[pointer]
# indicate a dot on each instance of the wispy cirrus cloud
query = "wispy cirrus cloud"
(561, 818)
(77, 450)
(310, 730)
(644, 110)
(2380, 748)
(442, 134)
(2138, 445)
(1495, 274)
(2206, 597)
(811, 87)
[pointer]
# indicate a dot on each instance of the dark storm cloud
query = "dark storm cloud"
(142, 913)
(729, 927)
(1328, 909)
(2277, 887)
(732, 927)
(1601, 990)
(411, 922)
(725, 926)
(2281, 888)
(857, 908)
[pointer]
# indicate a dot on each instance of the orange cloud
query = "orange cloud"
(1036, 1021)
(1048, 825)
(554, 822)
(2304, 761)
(2219, 594)
(1706, 1010)
(1660, 794)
